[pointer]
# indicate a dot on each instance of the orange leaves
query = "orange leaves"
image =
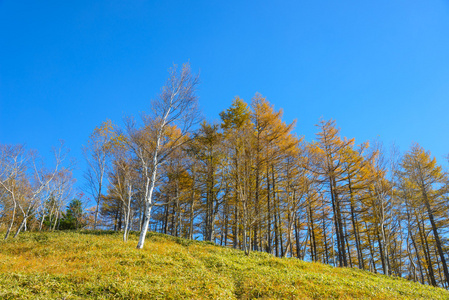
(102, 138)
(105, 129)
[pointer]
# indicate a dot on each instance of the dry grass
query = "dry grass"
(81, 265)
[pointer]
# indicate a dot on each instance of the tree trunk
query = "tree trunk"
(236, 226)
(97, 208)
(11, 223)
(192, 204)
(337, 232)
(312, 234)
(326, 252)
(146, 222)
(356, 231)
(426, 249)
(269, 242)
(436, 235)
(298, 244)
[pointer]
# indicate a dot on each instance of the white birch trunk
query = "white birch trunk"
(12, 221)
(151, 182)
(177, 102)
(41, 222)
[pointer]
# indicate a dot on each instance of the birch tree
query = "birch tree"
(123, 179)
(39, 178)
(55, 197)
(24, 178)
(96, 153)
(12, 170)
(174, 109)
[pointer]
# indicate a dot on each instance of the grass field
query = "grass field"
(85, 265)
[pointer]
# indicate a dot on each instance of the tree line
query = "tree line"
(249, 182)
(33, 195)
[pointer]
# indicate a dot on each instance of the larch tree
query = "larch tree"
(427, 181)
(174, 189)
(236, 124)
(209, 155)
(273, 141)
(379, 204)
(328, 165)
(355, 177)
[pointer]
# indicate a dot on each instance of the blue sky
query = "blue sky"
(380, 68)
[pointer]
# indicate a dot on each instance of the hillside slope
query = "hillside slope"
(77, 265)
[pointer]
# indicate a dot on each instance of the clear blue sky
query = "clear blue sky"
(380, 68)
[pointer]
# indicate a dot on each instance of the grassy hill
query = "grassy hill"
(82, 265)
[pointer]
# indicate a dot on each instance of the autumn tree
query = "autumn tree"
(207, 151)
(327, 161)
(24, 180)
(236, 124)
(175, 107)
(123, 179)
(12, 173)
(55, 197)
(273, 141)
(96, 153)
(426, 182)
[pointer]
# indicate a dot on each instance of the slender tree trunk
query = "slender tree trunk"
(412, 265)
(333, 247)
(337, 232)
(97, 208)
(116, 220)
(120, 219)
(146, 222)
(326, 252)
(437, 236)
(257, 217)
(276, 215)
(11, 223)
(347, 244)
(289, 246)
(370, 243)
(125, 229)
(440, 275)
(297, 237)
(339, 222)
(418, 258)
(356, 235)
(56, 220)
(191, 217)
(269, 242)
(245, 225)
(166, 217)
(176, 211)
(41, 222)
(226, 225)
(312, 234)
(150, 183)
(22, 224)
(236, 226)
(381, 250)
(426, 249)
